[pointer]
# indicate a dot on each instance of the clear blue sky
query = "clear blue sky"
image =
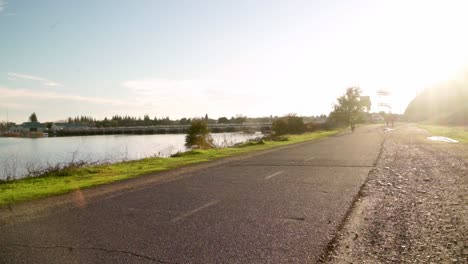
(187, 58)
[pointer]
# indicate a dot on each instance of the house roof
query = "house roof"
(32, 125)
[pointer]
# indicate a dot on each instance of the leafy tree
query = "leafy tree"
(6, 125)
(33, 117)
(280, 126)
(198, 135)
(290, 124)
(238, 119)
(349, 109)
(184, 121)
(223, 120)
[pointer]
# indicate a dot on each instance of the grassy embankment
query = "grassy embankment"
(78, 178)
(457, 133)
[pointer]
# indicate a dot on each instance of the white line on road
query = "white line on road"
(194, 211)
(273, 175)
(309, 159)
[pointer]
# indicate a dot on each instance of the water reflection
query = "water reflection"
(18, 155)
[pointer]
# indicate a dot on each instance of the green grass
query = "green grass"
(78, 178)
(457, 133)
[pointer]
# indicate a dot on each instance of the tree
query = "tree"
(223, 120)
(280, 126)
(146, 120)
(184, 121)
(33, 117)
(290, 124)
(198, 135)
(6, 125)
(349, 109)
(239, 119)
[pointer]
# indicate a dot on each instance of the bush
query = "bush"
(185, 154)
(312, 127)
(198, 135)
(250, 143)
(280, 138)
(290, 124)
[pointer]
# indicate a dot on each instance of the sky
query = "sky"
(62, 58)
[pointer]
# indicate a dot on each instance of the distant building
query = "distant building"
(29, 127)
(16, 129)
(376, 118)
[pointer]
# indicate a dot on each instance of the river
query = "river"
(18, 155)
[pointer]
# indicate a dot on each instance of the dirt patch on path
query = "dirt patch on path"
(414, 206)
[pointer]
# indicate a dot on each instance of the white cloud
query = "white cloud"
(182, 98)
(178, 91)
(2, 5)
(47, 95)
(161, 86)
(42, 80)
(15, 106)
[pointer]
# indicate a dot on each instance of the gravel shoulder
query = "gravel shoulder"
(413, 207)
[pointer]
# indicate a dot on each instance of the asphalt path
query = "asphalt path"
(281, 206)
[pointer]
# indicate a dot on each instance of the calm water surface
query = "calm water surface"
(17, 155)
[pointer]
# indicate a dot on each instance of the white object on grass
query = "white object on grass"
(443, 139)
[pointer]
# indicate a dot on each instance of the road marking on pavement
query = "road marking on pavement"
(309, 159)
(194, 211)
(273, 175)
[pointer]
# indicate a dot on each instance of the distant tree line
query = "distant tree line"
(130, 121)
(146, 120)
(124, 121)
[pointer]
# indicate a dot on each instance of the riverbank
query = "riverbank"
(23, 157)
(24, 135)
(68, 180)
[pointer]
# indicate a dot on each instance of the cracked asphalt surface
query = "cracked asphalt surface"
(282, 206)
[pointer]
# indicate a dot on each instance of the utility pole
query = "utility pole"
(383, 100)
